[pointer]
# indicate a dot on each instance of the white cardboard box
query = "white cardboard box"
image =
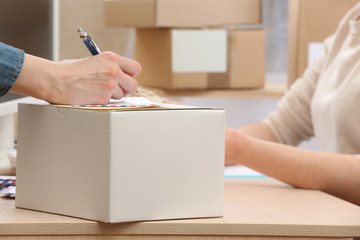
(120, 166)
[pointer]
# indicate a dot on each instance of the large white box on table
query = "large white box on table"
(120, 166)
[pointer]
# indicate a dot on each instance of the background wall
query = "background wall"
(30, 32)
(87, 14)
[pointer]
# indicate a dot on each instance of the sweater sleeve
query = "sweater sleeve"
(11, 61)
(291, 123)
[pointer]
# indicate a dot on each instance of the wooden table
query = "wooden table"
(260, 208)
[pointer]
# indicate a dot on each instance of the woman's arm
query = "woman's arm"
(92, 80)
(259, 130)
(337, 174)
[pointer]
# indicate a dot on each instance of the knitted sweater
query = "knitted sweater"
(325, 101)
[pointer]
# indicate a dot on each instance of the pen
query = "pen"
(89, 43)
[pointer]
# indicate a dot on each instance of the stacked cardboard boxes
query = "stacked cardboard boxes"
(194, 44)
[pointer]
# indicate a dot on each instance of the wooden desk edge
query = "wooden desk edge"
(156, 229)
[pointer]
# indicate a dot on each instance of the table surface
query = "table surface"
(252, 207)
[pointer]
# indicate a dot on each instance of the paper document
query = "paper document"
(7, 186)
(239, 171)
(130, 103)
(124, 103)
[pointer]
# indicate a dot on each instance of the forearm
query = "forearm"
(337, 174)
(35, 78)
(92, 80)
(258, 130)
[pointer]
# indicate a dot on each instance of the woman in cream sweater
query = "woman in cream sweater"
(323, 103)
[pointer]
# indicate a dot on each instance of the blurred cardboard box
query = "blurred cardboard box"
(121, 166)
(218, 59)
(246, 61)
(311, 21)
(158, 51)
(181, 13)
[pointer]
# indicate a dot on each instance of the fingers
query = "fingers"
(127, 83)
(96, 79)
(127, 65)
(124, 73)
(118, 93)
(130, 67)
(121, 84)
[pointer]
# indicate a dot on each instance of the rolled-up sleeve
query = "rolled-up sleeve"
(11, 62)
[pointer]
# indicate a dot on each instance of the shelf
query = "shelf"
(269, 91)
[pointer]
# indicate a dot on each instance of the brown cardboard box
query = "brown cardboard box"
(153, 49)
(311, 21)
(245, 62)
(181, 13)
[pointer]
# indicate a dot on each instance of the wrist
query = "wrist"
(35, 78)
(238, 146)
(53, 83)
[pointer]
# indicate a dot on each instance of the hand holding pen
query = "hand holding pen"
(97, 79)
(92, 80)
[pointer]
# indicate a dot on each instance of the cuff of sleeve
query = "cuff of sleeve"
(11, 63)
(273, 129)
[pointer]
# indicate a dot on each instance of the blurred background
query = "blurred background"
(48, 28)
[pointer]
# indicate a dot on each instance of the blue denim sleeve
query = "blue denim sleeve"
(11, 62)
